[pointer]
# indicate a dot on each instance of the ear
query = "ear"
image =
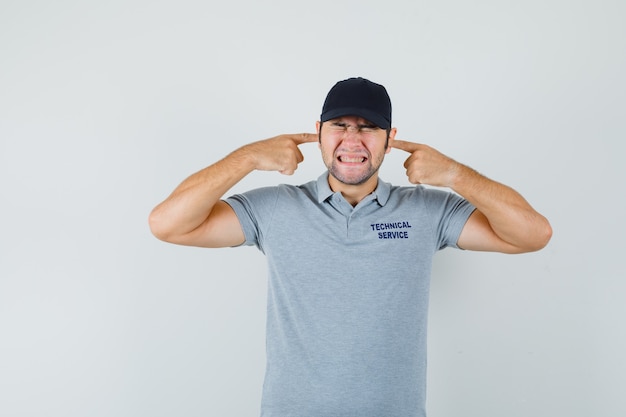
(392, 136)
(318, 126)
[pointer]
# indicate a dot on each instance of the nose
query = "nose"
(354, 129)
(351, 142)
(351, 134)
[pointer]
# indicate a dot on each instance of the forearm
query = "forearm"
(510, 216)
(191, 203)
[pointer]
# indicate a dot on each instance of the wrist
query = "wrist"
(462, 177)
(246, 158)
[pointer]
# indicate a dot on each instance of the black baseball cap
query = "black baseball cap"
(358, 97)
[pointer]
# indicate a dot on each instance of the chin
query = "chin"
(351, 179)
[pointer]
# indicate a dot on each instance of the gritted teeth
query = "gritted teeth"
(352, 159)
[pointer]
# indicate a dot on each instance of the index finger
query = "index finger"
(301, 138)
(405, 145)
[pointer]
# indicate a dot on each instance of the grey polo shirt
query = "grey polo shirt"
(347, 294)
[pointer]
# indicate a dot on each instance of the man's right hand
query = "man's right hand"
(280, 153)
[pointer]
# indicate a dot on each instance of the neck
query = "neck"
(353, 193)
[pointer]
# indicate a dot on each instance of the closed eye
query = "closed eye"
(362, 128)
(369, 128)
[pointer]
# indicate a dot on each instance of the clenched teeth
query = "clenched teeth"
(351, 159)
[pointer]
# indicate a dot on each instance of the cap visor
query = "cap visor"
(368, 115)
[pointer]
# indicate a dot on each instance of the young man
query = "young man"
(349, 255)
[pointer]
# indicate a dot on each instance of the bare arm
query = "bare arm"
(503, 221)
(194, 213)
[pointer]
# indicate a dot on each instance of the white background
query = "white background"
(106, 106)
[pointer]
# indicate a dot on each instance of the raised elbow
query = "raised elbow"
(546, 234)
(538, 236)
(542, 236)
(156, 224)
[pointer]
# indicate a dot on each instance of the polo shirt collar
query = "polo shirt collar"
(324, 192)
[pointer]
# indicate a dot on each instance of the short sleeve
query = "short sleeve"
(452, 212)
(254, 209)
